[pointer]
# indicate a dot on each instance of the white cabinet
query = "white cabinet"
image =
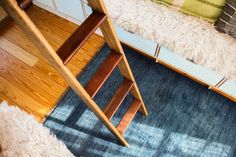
(136, 41)
(72, 8)
(229, 87)
(202, 73)
(46, 3)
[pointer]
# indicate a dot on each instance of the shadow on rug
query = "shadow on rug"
(185, 118)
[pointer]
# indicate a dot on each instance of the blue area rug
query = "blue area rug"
(185, 118)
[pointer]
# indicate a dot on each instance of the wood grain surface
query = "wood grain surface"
(38, 88)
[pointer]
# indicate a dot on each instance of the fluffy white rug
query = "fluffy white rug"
(22, 136)
(189, 36)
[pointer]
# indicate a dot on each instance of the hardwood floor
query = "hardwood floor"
(26, 79)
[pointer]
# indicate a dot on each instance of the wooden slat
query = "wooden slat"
(4, 21)
(103, 72)
(118, 98)
(3, 14)
(114, 43)
(4, 18)
(129, 115)
(80, 36)
(23, 4)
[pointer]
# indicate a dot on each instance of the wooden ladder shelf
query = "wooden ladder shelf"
(98, 19)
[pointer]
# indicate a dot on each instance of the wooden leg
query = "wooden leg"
(47, 51)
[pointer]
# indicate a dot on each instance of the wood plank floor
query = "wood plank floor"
(26, 79)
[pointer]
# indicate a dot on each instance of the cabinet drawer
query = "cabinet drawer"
(72, 8)
(47, 3)
(208, 76)
(229, 87)
(136, 41)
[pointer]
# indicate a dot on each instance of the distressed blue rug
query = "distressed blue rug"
(185, 118)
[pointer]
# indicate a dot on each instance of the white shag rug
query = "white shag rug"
(22, 136)
(188, 36)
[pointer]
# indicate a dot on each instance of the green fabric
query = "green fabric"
(209, 10)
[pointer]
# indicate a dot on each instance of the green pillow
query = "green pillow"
(209, 10)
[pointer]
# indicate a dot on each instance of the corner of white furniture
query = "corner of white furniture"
(133, 40)
(69, 11)
(198, 72)
(229, 87)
